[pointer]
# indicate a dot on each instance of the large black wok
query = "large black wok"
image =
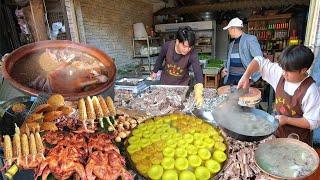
(236, 130)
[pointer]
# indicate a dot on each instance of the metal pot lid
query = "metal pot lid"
(286, 158)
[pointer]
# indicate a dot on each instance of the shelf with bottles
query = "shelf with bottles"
(272, 32)
(275, 22)
(275, 46)
(271, 35)
(264, 25)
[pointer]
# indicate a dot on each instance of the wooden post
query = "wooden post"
(35, 18)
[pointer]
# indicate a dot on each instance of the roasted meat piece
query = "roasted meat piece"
(107, 166)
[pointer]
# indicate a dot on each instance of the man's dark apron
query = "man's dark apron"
(291, 106)
(175, 72)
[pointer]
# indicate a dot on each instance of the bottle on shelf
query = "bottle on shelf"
(278, 25)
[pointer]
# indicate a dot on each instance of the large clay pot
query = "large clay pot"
(19, 54)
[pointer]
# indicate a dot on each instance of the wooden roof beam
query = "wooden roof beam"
(231, 5)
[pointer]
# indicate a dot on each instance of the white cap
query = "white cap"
(235, 22)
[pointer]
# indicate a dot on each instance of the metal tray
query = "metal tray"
(151, 87)
(8, 118)
(168, 86)
(129, 81)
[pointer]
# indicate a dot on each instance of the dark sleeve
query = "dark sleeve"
(161, 57)
(195, 63)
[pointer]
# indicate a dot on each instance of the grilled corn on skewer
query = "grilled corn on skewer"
(82, 112)
(16, 129)
(112, 110)
(16, 143)
(90, 110)
(98, 110)
(97, 107)
(7, 149)
(111, 107)
(39, 144)
(32, 146)
(25, 147)
(27, 130)
(104, 106)
(16, 146)
(106, 112)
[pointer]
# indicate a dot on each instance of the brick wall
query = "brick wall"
(107, 24)
(69, 9)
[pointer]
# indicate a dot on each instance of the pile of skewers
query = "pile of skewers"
(26, 150)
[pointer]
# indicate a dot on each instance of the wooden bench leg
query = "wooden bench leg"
(216, 81)
(205, 81)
